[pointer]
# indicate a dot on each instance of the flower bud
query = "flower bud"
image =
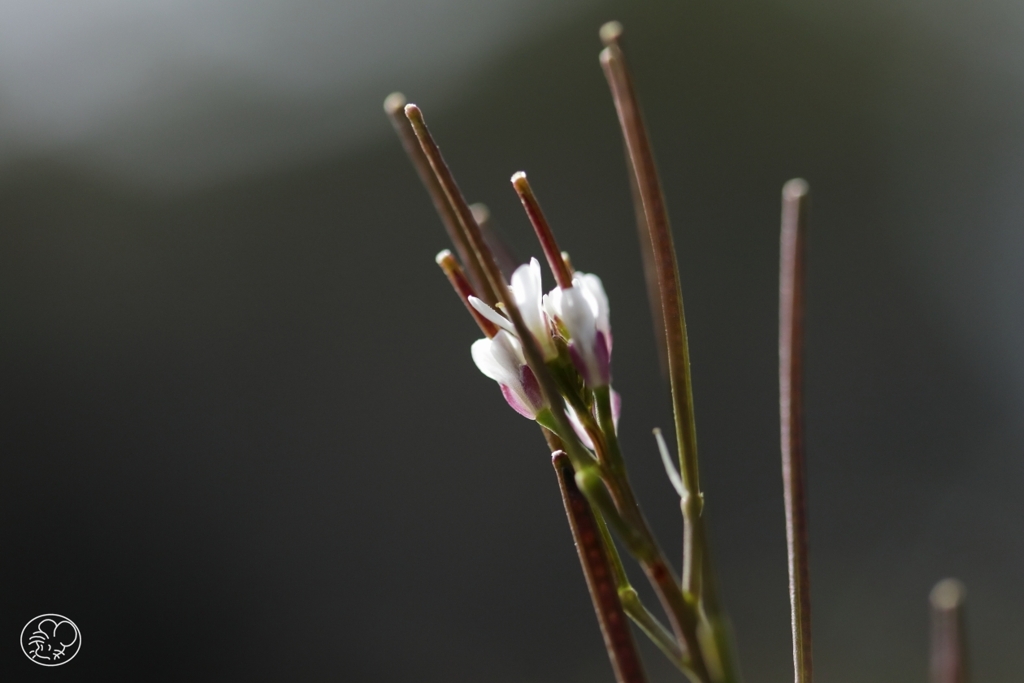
(583, 311)
(501, 359)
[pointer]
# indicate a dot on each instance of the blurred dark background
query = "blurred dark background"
(242, 435)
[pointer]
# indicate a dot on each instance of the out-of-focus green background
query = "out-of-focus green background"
(241, 434)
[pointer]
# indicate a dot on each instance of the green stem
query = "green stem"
(618, 570)
(722, 650)
(641, 160)
(636, 610)
(649, 554)
(586, 418)
(639, 147)
(656, 631)
(630, 524)
(606, 418)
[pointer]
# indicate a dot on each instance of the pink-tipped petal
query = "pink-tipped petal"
(531, 388)
(501, 359)
(517, 403)
(602, 359)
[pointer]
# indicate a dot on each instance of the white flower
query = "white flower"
(527, 290)
(501, 359)
(593, 291)
(583, 310)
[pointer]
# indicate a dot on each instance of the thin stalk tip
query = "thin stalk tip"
(393, 103)
(949, 657)
(395, 106)
(481, 214)
(795, 188)
(611, 32)
(568, 262)
(464, 289)
(948, 594)
(563, 276)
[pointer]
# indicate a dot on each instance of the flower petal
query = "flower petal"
(531, 388)
(616, 408)
(552, 303)
(482, 351)
(594, 290)
(501, 359)
(588, 346)
(526, 282)
(578, 316)
(517, 402)
(491, 314)
(528, 292)
(508, 351)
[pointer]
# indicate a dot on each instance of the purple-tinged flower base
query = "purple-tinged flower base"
(530, 388)
(597, 372)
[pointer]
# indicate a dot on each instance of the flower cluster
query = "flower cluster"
(573, 331)
(550, 354)
(576, 317)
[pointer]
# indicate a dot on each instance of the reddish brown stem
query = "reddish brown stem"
(680, 613)
(949, 649)
(795, 201)
(638, 146)
(531, 348)
(563, 276)
(611, 33)
(465, 290)
(394, 106)
(641, 156)
(503, 253)
(618, 638)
